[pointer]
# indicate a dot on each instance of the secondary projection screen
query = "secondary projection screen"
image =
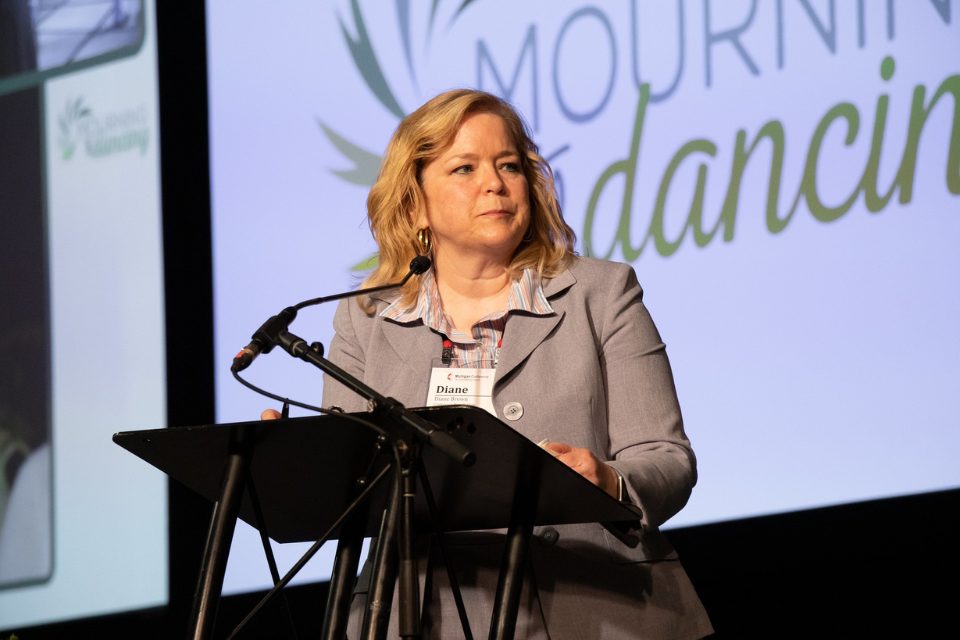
(784, 176)
(83, 524)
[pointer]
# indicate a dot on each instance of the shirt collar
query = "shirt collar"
(526, 296)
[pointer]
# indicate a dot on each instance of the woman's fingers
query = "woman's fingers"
(586, 464)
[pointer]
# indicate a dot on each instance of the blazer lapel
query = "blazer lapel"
(524, 333)
(417, 346)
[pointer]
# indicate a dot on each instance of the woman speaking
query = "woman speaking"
(573, 356)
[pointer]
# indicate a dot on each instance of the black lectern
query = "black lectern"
(295, 479)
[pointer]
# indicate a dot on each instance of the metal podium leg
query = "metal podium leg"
(207, 596)
(342, 578)
(510, 583)
(384, 575)
(506, 604)
(408, 601)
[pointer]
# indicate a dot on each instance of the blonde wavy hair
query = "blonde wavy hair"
(397, 195)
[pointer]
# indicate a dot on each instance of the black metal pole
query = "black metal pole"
(224, 520)
(380, 594)
(342, 578)
(409, 596)
(510, 583)
(506, 603)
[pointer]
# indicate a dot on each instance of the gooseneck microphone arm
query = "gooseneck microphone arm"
(275, 332)
(418, 266)
(267, 336)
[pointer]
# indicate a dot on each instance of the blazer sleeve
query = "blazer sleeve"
(347, 352)
(648, 446)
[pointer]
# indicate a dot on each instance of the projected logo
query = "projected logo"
(762, 174)
(79, 128)
(365, 164)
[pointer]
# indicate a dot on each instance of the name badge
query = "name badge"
(456, 385)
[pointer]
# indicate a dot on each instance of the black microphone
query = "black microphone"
(418, 265)
(267, 335)
(264, 339)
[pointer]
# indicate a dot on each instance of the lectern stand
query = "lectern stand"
(301, 475)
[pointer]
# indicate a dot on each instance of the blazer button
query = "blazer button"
(513, 411)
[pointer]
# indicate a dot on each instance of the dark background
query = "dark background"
(25, 324)
(881, 568)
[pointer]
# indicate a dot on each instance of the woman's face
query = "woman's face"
(476, 193)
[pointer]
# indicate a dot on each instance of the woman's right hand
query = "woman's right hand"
(270, 414)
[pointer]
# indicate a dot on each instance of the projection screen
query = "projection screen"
(784, 177)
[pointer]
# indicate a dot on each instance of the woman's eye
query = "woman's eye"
(466, 168)
(512, 167)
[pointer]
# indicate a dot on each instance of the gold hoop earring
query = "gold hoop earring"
(424, 240)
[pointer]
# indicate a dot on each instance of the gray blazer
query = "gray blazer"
(594, 374)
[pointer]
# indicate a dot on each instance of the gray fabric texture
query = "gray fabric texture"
(595, 374)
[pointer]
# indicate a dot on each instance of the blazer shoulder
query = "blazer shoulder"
(594, 274)
(351, 318)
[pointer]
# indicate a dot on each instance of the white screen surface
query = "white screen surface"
(813, 340)
(105, 536)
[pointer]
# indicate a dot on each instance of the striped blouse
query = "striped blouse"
(479, 348)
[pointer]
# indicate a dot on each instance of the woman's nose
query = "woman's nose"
(492, 180)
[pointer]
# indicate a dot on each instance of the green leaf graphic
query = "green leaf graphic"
(403, 17)
(433, 17)
(366, 61)
(368, 264)
(366, 164)
(463, 5)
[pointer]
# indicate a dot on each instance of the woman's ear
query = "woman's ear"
(418, 218)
